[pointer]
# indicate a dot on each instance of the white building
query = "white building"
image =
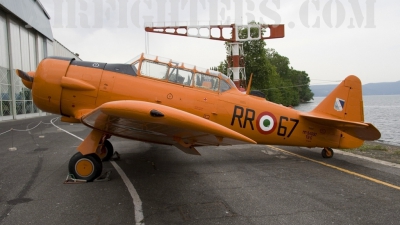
(25, 39)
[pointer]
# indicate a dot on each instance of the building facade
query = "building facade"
(25, 39)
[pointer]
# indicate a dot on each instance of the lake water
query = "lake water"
(383, 111)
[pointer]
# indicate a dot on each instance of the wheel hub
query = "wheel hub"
(84, 167)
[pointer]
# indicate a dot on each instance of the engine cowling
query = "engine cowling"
(46, 88)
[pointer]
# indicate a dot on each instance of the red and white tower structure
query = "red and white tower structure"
(236, 67)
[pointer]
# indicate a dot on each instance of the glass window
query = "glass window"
(224, 86)
(5, 99)
(135, 66)
(180, 76)
(5, 108)
(135, 59)
(153, 69)
(207, 82)
(19, 107)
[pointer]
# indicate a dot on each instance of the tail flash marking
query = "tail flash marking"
(339, 104)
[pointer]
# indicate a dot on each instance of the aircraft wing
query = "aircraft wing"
(363, 131)
(150, 122)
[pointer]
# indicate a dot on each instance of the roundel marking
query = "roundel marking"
(266, 123)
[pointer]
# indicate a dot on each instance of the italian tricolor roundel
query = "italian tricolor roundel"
(266, 123)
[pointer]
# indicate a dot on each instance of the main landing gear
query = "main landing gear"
(85, 167)
(106, 151)
(327, 152)
(88, 167)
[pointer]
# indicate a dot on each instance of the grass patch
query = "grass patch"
(372, 147)
(397, 152)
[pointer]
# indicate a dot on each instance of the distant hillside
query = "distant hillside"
(384, 88)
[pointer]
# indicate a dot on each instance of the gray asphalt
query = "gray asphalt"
(247, 184)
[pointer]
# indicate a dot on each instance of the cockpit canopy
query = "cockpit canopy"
(180, 73)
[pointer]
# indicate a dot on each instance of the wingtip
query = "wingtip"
(245, 138)
(251, 141)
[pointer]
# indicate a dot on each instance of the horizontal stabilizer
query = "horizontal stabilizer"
(363, 131)
(332, 122)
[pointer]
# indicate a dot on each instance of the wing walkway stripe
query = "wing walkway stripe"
(337, 168)
(132, 191)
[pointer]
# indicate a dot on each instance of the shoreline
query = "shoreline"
(386, 143)
(378, 150)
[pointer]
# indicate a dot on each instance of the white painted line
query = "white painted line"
(137, 203)
(135, 196)
(59, 128)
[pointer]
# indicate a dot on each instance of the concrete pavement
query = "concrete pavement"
(246, 184)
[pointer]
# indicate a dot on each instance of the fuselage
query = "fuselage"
(72, 88)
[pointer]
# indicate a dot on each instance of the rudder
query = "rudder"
(344, 102)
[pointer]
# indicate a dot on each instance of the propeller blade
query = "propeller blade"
(23, 75)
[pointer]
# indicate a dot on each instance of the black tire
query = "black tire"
(327, 153)
(85, 167)
(109, 151)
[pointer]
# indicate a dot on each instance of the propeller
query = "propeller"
(24, 75)
(27, 79)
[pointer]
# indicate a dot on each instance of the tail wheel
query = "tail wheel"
(106, 151)
(327, 153)
(85, 167)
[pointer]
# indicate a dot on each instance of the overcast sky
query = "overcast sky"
(327, 39)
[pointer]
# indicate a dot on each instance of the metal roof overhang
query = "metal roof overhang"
(32, 13)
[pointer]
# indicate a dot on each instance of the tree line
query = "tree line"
(272, 73)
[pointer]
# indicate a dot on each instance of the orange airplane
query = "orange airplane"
(158, 100)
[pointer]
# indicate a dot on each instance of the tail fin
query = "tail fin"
(343, 109)
(344, 102)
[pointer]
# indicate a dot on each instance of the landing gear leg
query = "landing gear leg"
(85, 167)
(327, 152)
(105, 150)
